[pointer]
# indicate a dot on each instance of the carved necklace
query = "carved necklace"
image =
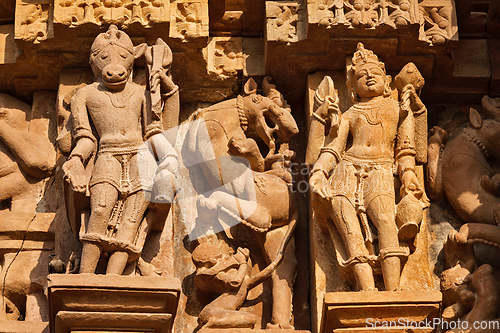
(478, 143)
(119, 99)
(241, 113)
(371, 110)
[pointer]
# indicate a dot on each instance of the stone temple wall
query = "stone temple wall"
(242, 166)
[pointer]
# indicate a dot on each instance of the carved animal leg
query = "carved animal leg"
(487, 295)
(283, 278)
(231, 319)
(16, 187)
(437, 141)
(133, 211)
(346, 220)
(102, 200)
(381, 212)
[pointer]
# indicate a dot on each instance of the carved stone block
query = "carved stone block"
(358, 312)
(189, 19)
(87, 302)
(439, 21)
(122, 12)
(224, 56)
(286, 21)
(33, 20)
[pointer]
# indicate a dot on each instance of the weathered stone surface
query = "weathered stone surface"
(346, 311)
(97, 302)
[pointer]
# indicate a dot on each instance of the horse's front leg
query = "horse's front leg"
(283, 278)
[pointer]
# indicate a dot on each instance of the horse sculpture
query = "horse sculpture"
(222, 152)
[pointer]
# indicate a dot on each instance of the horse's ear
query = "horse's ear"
(139, 50)
(250, 87)
(475, 118)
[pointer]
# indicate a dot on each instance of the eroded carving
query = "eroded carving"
(26, 154)
(285, 21)
(224, 56)
(470, 293)
(189, 19)
(27, 158)
(435, 19)
(255, 191)
(119, 12)
(32, 21)
(463, 169)
(123, 114)
(352, 184)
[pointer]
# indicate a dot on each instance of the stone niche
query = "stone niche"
(188, 165)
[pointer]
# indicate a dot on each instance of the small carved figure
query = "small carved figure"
(122, 115)
(228, 279)
(56, 265)
(463, 170)
(352, 182)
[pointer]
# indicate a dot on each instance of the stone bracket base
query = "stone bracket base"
(92, 303)
(369, 311)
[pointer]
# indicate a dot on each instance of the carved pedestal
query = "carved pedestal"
(390, 311)
(89, 303)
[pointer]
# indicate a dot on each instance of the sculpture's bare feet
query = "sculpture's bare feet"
(270, 326)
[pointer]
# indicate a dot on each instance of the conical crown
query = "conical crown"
(111, 37)
(363, 56)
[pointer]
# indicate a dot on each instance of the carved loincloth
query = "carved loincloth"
(119, 168)
(363, 179)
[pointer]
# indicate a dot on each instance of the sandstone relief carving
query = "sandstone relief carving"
(189, 19)
(241, 188)
(34, 21)
(27, 159)
(111, 119)
(352, 182)
(470, 293)
(26, 154)
(119, 12)
(286, 21)
(224, 56)
(434, 18)
(464, 169)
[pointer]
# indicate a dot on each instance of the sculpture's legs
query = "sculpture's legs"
(133, 211)
(103, 198)
(282, 278)
(381, 211)
(347, 222)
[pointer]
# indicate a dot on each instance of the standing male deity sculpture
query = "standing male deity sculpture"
(111, 119)
(352, 181)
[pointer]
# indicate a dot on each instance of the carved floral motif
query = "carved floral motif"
(119, 12)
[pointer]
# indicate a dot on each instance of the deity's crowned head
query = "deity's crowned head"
(367, 78)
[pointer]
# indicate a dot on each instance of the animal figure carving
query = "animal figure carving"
(221, 141)
(465, 170)
(470, 294)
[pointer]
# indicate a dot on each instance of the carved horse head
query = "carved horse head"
(268, 117)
